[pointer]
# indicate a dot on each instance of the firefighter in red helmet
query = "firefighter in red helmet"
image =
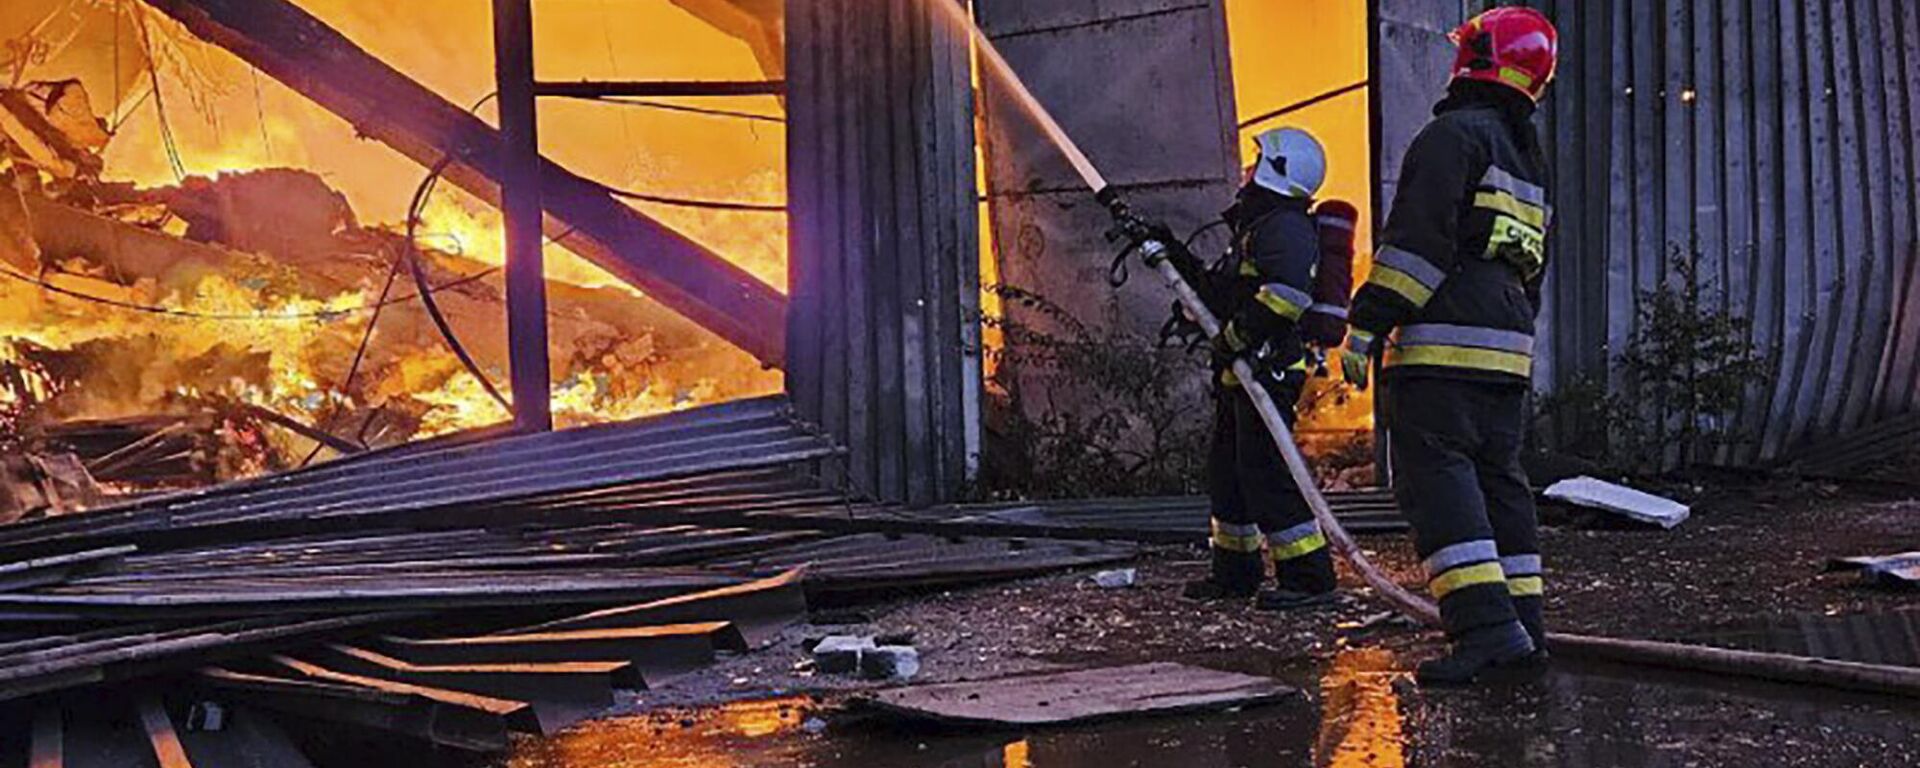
(1449, 311)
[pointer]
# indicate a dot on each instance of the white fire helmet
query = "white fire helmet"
(1292, 162)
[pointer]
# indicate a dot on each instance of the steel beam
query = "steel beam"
(520, 204)
(297, 49)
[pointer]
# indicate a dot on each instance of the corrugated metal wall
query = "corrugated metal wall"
(883, 335)
(1779, 138)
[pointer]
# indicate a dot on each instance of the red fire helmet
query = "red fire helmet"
(1515, 47)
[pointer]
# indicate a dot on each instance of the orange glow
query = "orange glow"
(1361, 724)
(1285, 53)
(615, 355)
(711, 741)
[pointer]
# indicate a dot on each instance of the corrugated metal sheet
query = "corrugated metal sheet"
(1778, 139)
(883, 332)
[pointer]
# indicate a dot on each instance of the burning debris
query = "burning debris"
(271, 324)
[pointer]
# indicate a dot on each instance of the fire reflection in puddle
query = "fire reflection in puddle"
(728, 736)
(1361, 724)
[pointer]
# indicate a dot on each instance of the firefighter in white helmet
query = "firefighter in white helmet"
(1266, 286)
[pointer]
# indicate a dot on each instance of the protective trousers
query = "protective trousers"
(1455, 447)
(1255, 501)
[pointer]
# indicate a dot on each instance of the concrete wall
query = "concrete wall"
(1146, 87)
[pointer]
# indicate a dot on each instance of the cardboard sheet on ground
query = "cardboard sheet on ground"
(1634, 505)
(1072, 697)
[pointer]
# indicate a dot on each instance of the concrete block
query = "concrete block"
(890, 662)
(841, 654)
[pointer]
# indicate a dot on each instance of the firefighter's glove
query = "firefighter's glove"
(1231, 343)
(1356, 358)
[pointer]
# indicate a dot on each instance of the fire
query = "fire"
(279, 327)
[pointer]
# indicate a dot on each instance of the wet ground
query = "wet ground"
(1746, 569)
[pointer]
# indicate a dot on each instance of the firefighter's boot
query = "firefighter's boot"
(1501, 651)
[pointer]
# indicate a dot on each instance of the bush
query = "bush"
(1672, 395)
(1088, 412)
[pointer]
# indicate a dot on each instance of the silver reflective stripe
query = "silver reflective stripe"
(1463, 553)
(1437, 334)
(1330, 310)
(1522, 190)
(1288, 293)
(1294, 534)
(1521, 565)
(1235, 529)
(1417, 268)
(1337, 222)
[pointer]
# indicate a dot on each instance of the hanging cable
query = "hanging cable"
(631, 101)
(411, 256)
(160, 106)
(681, 202)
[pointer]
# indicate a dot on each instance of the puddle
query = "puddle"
(1359, 718)
(1361, 726)
(1891, 638)
(749, 733)
(1361, 721)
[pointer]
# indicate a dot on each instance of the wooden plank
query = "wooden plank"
(759, 610)
(167, 749)
(586, 682)
(49, 747)
(659, 652)
(408, 713)
(1061, 698)
(517, 714)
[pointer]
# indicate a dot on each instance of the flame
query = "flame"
(287, 332)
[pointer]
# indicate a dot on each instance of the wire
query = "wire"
(681, 202)
(1303, 104)
(411, 257)
(159, 106)
(708, 111)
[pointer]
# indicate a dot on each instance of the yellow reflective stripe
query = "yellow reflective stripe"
(1233, 543)
(1504, 202)
(1249, 269)
(1521, 79)
(1401, 283)
(1298, 548)
(1228, 378)
(1526, 586)
(1461, 357)
(1280, 305)
(1461, 578)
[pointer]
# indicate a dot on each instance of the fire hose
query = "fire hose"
(1166, 256)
